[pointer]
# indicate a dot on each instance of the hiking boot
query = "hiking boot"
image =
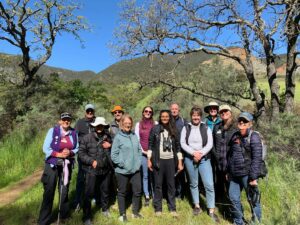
(158, 213)
(137, 216)
(106, 213)
(123, 218)
(214, 217)
(147, 201)
(196, 211)
(174, 214)
(88, 222)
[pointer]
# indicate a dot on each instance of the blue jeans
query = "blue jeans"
(145, 176)
(236, 186)
(205, 170)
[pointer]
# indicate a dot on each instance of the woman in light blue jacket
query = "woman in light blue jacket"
(126, 154)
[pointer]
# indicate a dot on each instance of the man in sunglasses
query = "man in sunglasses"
(83, 127)
(117, 112)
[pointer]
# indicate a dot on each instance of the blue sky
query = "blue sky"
(102, 15)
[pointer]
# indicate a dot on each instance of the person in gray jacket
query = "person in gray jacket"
(126, 154)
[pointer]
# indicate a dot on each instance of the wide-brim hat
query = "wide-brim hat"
(214, 104)
(224, 107)
(247, 116)
(117, 108)
(99, 121)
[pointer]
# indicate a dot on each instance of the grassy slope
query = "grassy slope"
(280, 203)
(19, 159)
(263, 84)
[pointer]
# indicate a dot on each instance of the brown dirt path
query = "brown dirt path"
(13, 192)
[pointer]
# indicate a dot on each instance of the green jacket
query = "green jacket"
(126, 153)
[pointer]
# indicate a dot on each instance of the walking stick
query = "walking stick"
(60, 192)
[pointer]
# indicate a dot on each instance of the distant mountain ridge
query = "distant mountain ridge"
(9, 63)
(145, 67)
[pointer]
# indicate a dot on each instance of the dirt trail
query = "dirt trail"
(12, 193)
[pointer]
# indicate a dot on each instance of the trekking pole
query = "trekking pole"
(60, 193)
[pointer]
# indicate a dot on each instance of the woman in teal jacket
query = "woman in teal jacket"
(126, 154)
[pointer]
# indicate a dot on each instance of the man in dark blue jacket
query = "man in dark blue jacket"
(244, 163)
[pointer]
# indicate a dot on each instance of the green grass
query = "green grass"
(280, 202)
(264, 85)
(19, 157)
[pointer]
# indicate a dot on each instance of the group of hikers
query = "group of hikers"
(155, 159)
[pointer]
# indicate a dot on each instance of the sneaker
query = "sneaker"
(158, 213)
(88, 222)
(214, 217)
(174, 214)
(137, 216)
(106, 213)
(147, 201)
(123, 218)
(196, 211)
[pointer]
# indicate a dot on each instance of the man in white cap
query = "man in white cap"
(82, 127)
(94, 153)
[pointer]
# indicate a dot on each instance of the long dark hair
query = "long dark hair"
(170, 127)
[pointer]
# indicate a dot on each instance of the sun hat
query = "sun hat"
(210, 104)
(99, 121)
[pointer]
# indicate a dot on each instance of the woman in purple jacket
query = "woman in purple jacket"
(60, 146)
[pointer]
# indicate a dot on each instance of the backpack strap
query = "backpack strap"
(187, 133)
(203, 132)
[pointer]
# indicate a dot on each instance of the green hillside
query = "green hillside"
(9, 63)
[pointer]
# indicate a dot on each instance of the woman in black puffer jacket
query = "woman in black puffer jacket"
(94, 153)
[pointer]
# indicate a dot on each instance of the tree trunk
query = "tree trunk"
(290, 77)
(292, 33)
(272, 78)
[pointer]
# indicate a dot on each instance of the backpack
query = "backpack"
(263, 167)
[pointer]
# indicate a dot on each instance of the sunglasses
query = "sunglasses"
(224, 111)
(148, 111)
(242, 122)
(118, 112)
(89, 111)
(66, 119)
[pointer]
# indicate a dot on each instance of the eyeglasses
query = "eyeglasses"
(148, 111)
(118, 112)
(224, 111)
(89, 111)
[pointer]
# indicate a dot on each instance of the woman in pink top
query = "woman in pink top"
(142, 130)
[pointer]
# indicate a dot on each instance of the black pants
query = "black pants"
(49, 179)
(165, 174)
(136, 186)
(221, 185)
(102, 183)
